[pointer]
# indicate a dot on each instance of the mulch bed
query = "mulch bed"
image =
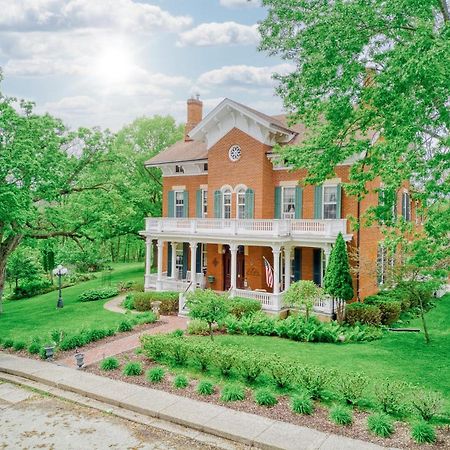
(318, 420)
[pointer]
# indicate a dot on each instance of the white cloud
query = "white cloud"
(243, 76)
(226, 33)
(79, 103)
(125, 15)
(240, 3)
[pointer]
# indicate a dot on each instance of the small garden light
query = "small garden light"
(60, 271)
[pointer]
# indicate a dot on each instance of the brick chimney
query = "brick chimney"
(194, 115)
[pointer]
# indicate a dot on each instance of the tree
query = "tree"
(208, 306)
(371, 82)
(303, 293)
(338, 280)
(21, 265)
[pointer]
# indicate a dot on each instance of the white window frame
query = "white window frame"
(204, 203)
(240, 195)
(384, 262)
(287, 214)
(227, 193)
(406, 194)
(179, 261)
(204, 257)
(325, 186)
(175, 204)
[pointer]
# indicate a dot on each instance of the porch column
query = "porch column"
(160, 245)
(193, 247)
(233, 250)
(148, 262)
(173, 262)
(327, 252)
(287, 266)
(276, 250)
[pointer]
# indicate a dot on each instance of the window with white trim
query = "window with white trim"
(240, 202)
(288, 203)
(204, 203)
(226, 204)
(179, 262)
(385, 264)
(406, 206)
(329, 202)
(204, 258)
(179, 203)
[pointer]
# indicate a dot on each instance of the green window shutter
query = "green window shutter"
(218, 204)
(298, 202)
(249, 203)
(278, 202)
(185, 260)
(186, 203)
(297, 263)
(338, 201)
(171, 204)
(198, 258)
(198, 203)
(318, 202)
(169, 259)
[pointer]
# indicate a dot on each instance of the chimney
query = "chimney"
(194, 115)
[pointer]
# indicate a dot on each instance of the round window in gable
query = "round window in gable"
(234, 153)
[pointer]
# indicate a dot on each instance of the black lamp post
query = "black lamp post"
(60, 271)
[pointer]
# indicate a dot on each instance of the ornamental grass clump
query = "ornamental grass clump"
(34, 348)
(423, 433)
(19, 345)
(180, 382)
(124, 326)
(302, 403)
(133, 369)
(265, 397)
(232, 393)
(8, 343)
(341, 415)
(205, 387)
(109, 364)
(380, 424)
(155, 375)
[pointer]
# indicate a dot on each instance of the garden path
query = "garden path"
(95, 354)
(114, 305)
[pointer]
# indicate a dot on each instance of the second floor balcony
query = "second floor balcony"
(250, 229)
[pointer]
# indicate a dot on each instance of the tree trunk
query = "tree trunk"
(424, 323)
(211, 331)
(6, 248)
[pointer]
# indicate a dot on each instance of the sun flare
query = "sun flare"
(114, 65)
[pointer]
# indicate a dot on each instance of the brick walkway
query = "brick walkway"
(127, 343)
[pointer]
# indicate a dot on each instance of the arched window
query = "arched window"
(227, 204)
(240, 204)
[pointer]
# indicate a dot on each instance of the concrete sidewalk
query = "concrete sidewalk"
(216, 420)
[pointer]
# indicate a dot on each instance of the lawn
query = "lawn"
(37, 316)
(400, 356)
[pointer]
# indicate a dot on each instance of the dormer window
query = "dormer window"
(179, 169)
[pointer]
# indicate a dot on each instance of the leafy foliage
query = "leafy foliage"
(362, 313)
(181, 382)
(205, 387)
(302, 293)
(302, 403)
(124, 326)
(93, 295)
(109, 363)
(423, 433)
(380, 424)
(232, 392)
(142, 301)
(198, 327)
(265, 397)
(19, 345)
(132, 369)
(390, 396)
(428, 404)
(351, 386)
(341, 415)
(240, 307)
(155, 375)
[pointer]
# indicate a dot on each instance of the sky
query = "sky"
(106, 62)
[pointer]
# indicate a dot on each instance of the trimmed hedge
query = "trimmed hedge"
(142, 301)
(92, 295)
(240, 307)
(389, 307)
(362, 313)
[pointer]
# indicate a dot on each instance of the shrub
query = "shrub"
(224, 360)
(205, 387)
(93, 295)
(390, 396)
(302, 404)
(250, 365)
(240, 307)
(32, 287)
(128, 302)
(351, 387)
(133, 369)
(109, 363)
(427, 403)
(232, 393)
(265, 397)
(34, 348)
(124, 326)
(201, 354)
(155, 375)
(423, 433)
(380, 424)
(180, 382)
(19, 345)
(42, 353)
(281, 371)
(154, 346)
(257, 324)
(177, 333)
(72, 342)
(362, 313)
(178, 351)
(142, 301)
(303, 294)
(198, 327)
(314, 380)
(8, 343)
(389, 307)
(341, 415)
(147, 317)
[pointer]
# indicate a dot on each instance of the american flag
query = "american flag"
(269, 273)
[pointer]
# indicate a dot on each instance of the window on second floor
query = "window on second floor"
(240, 199)
(226, 204)
(406, 206)
(179, 204)
(204, 203)
(329, 202)
(288, 201)
(385, 264)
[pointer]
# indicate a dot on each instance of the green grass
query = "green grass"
(399, 356)
(38, 315)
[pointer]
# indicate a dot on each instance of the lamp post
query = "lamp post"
(60, 271)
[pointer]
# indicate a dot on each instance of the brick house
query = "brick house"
(228, 205)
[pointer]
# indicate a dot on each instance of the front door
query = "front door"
(240, 268)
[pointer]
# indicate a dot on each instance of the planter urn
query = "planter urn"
(79, 358)
(49, 352)
(155, 308)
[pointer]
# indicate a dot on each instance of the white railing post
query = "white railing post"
(287, 266)
(234, 225)
(276, 250)
(276, 227)
(233, 250)
(193, 247)
(173, 262)
(148, 262)
(193, 226)
(160, 244)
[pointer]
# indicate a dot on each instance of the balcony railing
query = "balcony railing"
(247, 227)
